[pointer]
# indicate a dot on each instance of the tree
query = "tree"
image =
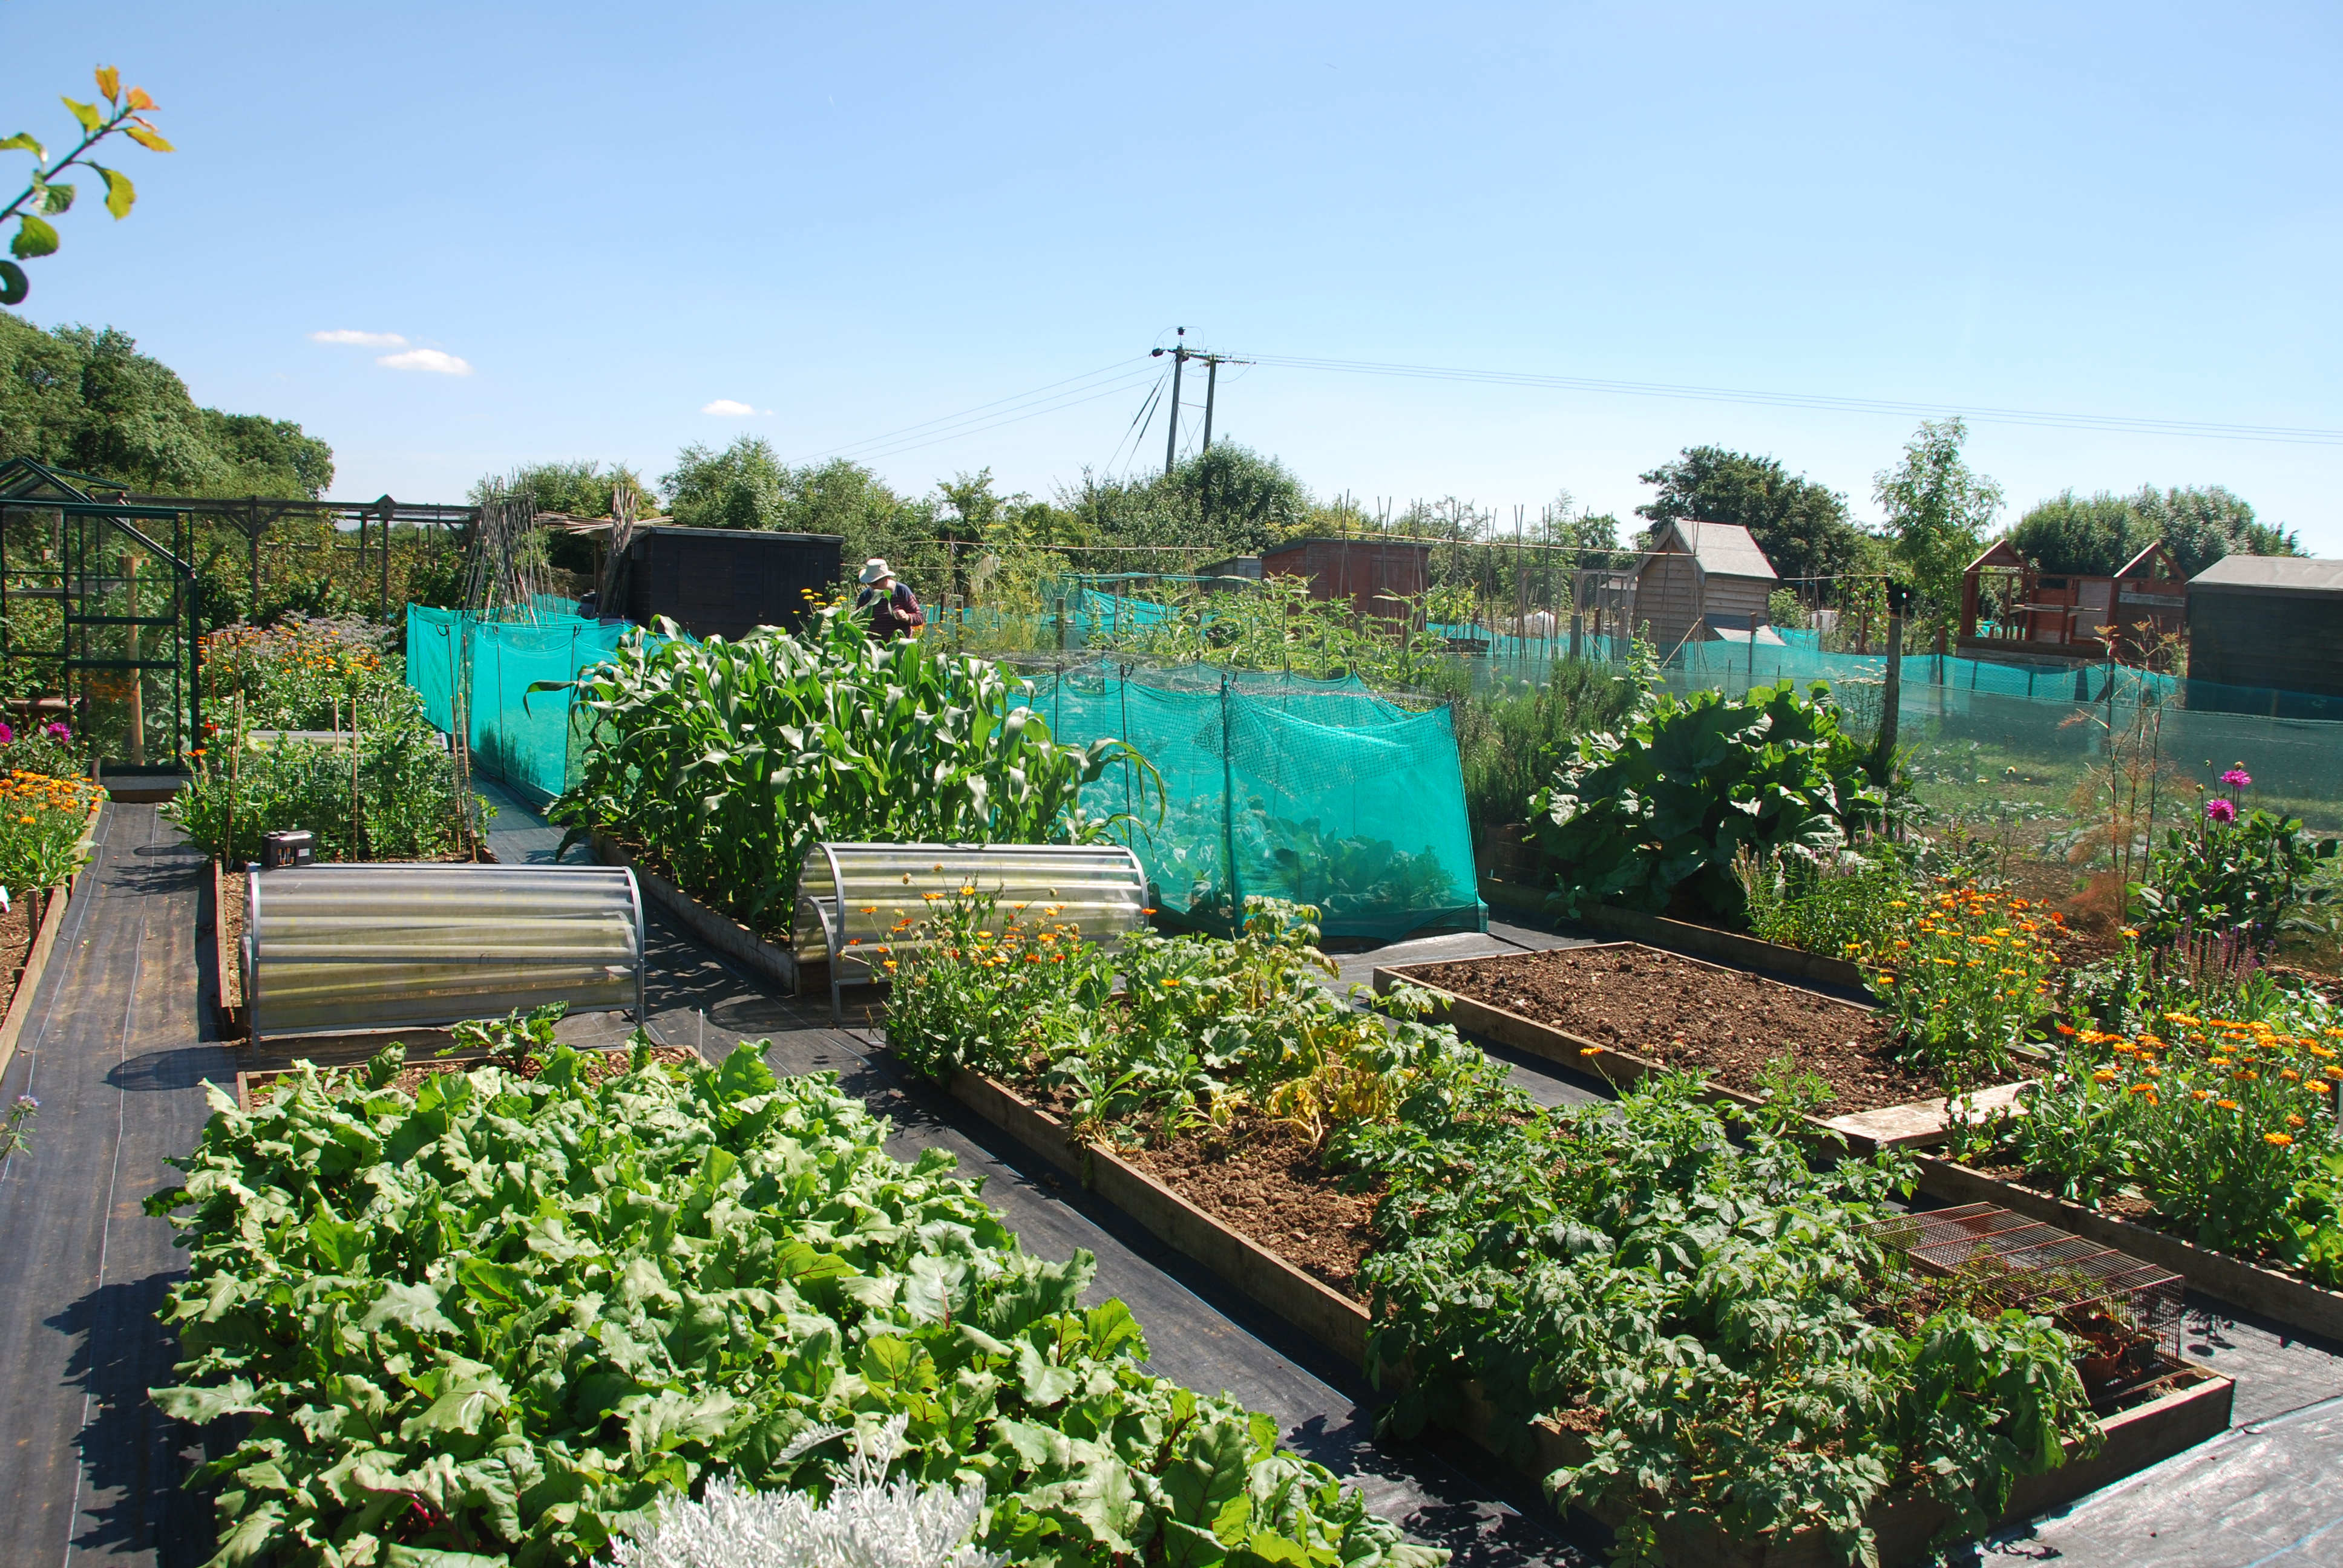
(45, 196)
(1802, 527)
(2096, 537)
(2199, 525)
(744, 487)
(86, 401)
(1938, 510)
(2092, 537)
(582, 489)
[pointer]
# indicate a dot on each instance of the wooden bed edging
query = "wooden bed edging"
(36, 964)
(1328, 1317)
(2297, 1303)
(1867, 1132)
(2135, 1438)
(1728, 947)
(705, 926)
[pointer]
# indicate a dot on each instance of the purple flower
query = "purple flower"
(6, 734)
(2237, 779)
(2218, 810)
(28, 1102)
(57, 730)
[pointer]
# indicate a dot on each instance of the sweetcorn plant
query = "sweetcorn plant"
(511, 1320)
(728, 760)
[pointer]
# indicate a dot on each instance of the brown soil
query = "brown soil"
(1727, 1025)
(16, 943)
(1265, 1182)
(231, 915)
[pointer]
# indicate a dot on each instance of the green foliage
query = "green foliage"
(45, 196)
(2224, 1123)
(298, 676)
(1825, 904)
(1711, 1315)
(2098, 534)
(1227, 501)
(42, 817)
(246, 786)
(1277, 626)
(730, 759)
(1802, 527)
(1665, 805)
(1510, 739)
(2092, 537)
(504, 1317)
(88, 401)
(2247, 875)
(1938, 510)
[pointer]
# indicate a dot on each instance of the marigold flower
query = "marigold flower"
(2280, 1139)
(2225, 1105)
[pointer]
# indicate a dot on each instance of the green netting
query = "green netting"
(521, 738)
(1320, 791)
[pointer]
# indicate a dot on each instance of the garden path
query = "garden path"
(117, 1052)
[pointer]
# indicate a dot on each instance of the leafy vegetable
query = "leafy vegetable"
(504, 1318)
(1691, 782)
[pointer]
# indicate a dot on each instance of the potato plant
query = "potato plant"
(728, 760)
(506, 1318)
(1675, 1283)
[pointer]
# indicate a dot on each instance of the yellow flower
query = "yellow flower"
(1170, 983)
(2280, 1139)
(2225, 1105)
(1590, 1050)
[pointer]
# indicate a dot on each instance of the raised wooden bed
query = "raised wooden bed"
(1730, 949)
(2283, 1298)
(2135, 1438)
(54, 903)
(1915, 1125)
(705, 926)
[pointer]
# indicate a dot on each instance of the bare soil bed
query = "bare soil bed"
(16, 943)
(1725, 1025)
(231, 917)
(1264, 1181)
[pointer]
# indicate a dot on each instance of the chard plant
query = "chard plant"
(521, 1319)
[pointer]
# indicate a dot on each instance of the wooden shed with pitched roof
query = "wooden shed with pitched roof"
(1704, 582)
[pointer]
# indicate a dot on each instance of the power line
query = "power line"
(1121, 374)
(2048, 418)
(977, 426)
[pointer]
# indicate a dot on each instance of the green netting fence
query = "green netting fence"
(1319, 791)
(483, 669)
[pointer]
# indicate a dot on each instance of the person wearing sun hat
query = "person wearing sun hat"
(893, 609)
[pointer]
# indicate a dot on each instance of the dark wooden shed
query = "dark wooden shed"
(2269, 623)
(720, 582)
(1374, 575)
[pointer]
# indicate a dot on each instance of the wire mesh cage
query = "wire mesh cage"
(2127, 1313)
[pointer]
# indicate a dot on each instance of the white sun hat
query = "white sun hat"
(874, 568)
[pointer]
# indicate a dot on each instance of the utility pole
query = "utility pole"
(1179, 352)
(1213, 363)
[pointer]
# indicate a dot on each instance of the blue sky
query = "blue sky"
(848, 221)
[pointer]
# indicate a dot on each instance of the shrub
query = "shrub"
(301, 675)
(1661, 809)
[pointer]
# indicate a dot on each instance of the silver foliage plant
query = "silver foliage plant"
(867, 1522)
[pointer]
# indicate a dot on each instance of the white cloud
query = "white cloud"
(727, 407)
(426, 359)
(362, 339)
